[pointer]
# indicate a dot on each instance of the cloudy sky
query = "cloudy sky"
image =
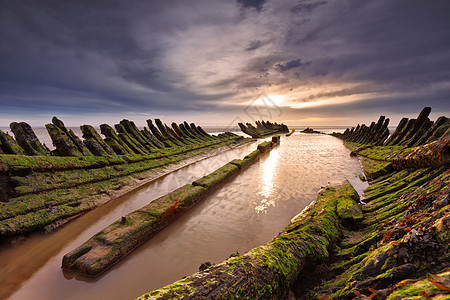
(215, 62)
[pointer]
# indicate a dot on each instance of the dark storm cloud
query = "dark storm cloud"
(293, 64)
(56, 49)
(304, 6)
(404, 44)
(253, 45)
(116, 56)
(258, 4)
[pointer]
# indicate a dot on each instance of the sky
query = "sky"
(217, 62)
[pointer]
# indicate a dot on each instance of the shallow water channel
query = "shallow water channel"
(246, 212)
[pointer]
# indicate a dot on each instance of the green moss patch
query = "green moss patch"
(210, 181)
(267, 272)
(117, 240)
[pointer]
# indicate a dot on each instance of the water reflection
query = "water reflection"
(266, 181)
(246, 212)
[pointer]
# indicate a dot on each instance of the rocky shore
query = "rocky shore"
(41, 188)
(393, 243)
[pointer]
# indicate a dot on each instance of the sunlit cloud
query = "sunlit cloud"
(205, 57)
(270, 100)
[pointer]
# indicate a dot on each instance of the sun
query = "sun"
(270, 100)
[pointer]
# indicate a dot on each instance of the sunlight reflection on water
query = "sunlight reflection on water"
(266, 181)
(246, 212)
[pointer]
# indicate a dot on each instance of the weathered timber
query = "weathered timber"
(397, 131)
(27, 139)
(120, 238)
(158, 134)
(424, 138)
(130, 141)
(268, 271)
(275, 140)
(192, 132)
(186, 131)
(166, 134)
(40, 192)
(199, 133)
(263, 128)
(134, 132)
(247, 160)
(9, 144)
(176, 136)
(409, 125)
(403, 237)
(416, 135)
(94, 142)
(62, 142)
(211, 181)
(75, 139)
(146, 133)
(409, 132)
(178, 131)
(308, 130)
(203, 132)
(434, 154)
(114, 141)
(440, 131)
(265, 146)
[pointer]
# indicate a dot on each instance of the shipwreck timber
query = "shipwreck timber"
(263, 128)
(42, 188)
(120, 238)
(379, 247)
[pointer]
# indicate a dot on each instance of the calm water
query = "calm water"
(245, 213)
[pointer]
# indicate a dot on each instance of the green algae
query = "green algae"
(121, 237)
(267, 271)
(349, 211)
(38, 183)
(374, 259)
(421, 289)
(265, 146)
(210, 181)
(9, 144)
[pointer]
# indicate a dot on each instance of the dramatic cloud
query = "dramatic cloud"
(297, 63)
(183, 59)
